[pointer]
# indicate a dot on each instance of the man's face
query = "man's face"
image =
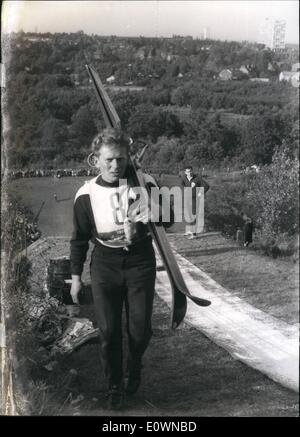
(189, 172)
(112, 162)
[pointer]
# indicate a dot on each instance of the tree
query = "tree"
(83, 127)
(150, 122)
(273, 195)
(259, 137)
(54, 136)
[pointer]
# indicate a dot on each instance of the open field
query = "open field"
(55, 218)
(228, 119)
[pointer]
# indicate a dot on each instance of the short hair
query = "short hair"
(110, 137)
(188, 167)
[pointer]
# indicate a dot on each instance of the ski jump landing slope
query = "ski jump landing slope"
(247, 333)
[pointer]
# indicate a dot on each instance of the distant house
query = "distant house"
(289, 76)
(225, 75)
(245, 69)
(282, 65)
(255, 168)
(32, 38)
(140, 54)
(296, 67)
(110, 79)
(296, 79)
(163, 54)
(271, 67)
(237, 74)
(97, 54)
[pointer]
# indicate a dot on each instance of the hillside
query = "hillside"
(52, 112)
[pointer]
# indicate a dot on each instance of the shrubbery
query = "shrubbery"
(225, 204)
(273, 200)
(15, 236)
(269, 197)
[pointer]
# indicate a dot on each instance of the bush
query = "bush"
(273, 197)
(224, 205)
(269, 197)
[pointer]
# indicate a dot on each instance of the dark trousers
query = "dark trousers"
(120, 277)
(248, 230)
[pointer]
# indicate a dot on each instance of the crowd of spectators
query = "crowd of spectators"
(59, 173)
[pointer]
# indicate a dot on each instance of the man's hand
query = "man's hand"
(75, 288)
(142, 214)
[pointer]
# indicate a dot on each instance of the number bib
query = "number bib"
(110, 207)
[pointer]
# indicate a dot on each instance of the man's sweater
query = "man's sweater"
(99, 212)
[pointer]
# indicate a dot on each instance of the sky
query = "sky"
(225, 20)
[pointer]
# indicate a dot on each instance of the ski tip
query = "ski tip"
(201, 302)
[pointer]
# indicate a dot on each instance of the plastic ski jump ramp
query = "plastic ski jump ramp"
(250, 335)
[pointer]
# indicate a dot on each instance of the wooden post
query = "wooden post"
(239, 235)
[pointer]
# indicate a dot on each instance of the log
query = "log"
(78, 332)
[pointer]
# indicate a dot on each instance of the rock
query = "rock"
(78, 399)
(53, 365)
(73, 310)
(70, 378)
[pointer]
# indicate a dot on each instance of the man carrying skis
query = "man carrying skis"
(123, 266)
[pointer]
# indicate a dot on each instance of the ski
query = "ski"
(179, 289)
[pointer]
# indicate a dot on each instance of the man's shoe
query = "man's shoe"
(115, 398)
(133, 384)
(133, 378)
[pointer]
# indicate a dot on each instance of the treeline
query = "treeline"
(52, 113)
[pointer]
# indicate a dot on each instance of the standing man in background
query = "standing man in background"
(189, 179)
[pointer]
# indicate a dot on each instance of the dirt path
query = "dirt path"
(185, 374)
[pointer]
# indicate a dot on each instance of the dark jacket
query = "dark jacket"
(198, 181)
